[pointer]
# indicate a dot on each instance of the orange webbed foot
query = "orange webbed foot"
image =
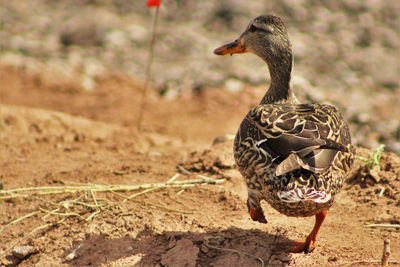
(309, 244)
(298, 246)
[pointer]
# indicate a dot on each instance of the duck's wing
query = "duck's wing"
(298, 136)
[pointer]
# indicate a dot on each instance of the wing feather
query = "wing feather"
(301, 136)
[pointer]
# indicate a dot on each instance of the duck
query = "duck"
(294, 156)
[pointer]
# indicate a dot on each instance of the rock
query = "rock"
(284, 257)
(233, 85)
(22, 252)
(87, 83)
(116, 39)
(73, 254)
(184, 254)
(375, 173)
(204, 249)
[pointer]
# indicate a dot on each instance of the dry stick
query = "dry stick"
(151, 189)
(45, 201)
(94, 198)
(89, 205)
(69, 214)
(63, 214)
(184, 170)
(386, 252)
(105, 188)
(47, 190)
(173, 178)
(180, 192)
(141, 193)
(48, 214)
(18, 220)
(63, 203)
(148, 70)
(98, 207)
(381, 192)
(72, 254)
(208, 179)
(383, 225)
(94, 214)
(155, 188)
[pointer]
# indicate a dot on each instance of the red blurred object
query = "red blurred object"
(151, 3)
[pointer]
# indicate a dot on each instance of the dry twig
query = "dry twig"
(18, 220)
(186, 172)
(72, 254)
(381, 192)
(382, 225)
(62, 214)
(49, 190)
(141, 193)
(386, 252)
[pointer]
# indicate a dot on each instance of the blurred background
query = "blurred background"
(347, 52)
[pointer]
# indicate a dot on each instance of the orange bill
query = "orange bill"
(235, 47)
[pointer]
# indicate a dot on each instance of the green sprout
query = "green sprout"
(374, 158)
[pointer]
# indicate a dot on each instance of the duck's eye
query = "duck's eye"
(252, 28)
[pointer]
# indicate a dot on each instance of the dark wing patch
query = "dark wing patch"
(286, 144)
(300, 136)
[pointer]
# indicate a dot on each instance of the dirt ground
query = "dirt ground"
(54, 134)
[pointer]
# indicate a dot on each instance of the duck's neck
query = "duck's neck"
(280, 90)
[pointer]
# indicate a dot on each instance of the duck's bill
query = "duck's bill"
(235, 47)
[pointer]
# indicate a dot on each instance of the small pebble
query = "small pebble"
(73, 253)
(204, 249)
(330, 259)
(23, 251)
(285, 257)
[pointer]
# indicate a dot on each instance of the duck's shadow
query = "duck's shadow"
(231, 247)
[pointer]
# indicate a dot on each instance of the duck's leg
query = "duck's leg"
(309, 244)
(254, 207)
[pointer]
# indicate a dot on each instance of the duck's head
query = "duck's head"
(266, 36)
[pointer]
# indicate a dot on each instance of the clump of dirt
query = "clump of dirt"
(182, 253)
(213, 161)
(382, 180)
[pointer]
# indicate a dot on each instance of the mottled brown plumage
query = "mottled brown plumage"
(294, 156)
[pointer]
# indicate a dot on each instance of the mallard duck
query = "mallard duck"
(294, 156)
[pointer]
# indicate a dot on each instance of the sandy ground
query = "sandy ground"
(58, 135)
